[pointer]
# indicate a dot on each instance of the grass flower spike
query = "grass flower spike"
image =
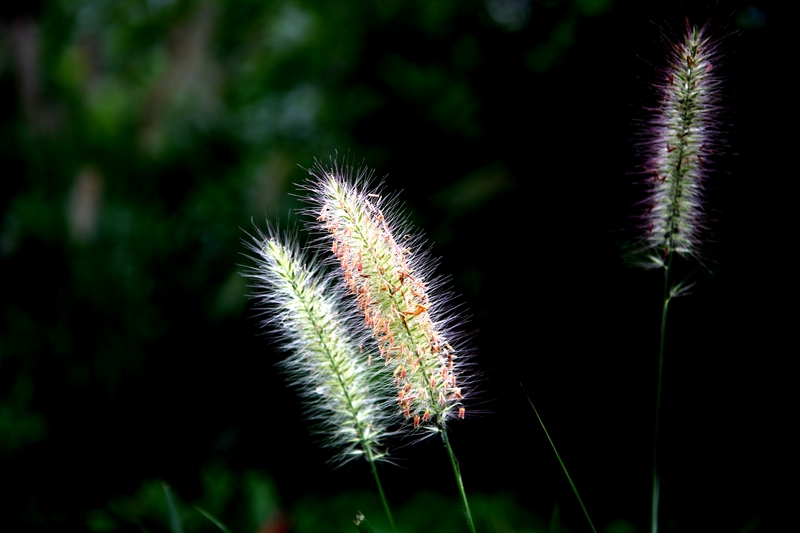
(326, 362)
(392, 281)
(679, 148)
(389, 279)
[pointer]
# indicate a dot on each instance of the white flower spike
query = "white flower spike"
(326, 359)
(679, 146)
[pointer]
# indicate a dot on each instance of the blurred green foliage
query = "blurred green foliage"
(139, 138)
(249, 501)
(19, 426)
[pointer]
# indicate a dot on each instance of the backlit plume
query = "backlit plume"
(679, 146)
(388, 274)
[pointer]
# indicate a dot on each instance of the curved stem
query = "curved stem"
(460, 483)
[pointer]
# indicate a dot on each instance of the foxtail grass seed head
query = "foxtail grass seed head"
(328, 357)
(392, 280)
(679, 146)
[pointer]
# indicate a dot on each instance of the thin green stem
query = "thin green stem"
(380, 490)
(574, 488)
(460, 483)
(667, 297)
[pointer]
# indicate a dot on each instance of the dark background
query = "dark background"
(140, 139)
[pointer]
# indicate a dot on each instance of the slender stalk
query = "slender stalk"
(460, 483)
(380, 491)
(574, 488)
(667, 298)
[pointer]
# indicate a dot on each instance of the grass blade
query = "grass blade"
(174, 517)
(574, 489)
(212, 519)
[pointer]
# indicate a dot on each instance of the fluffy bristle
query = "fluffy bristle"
(680, 148)
(328, 358)
(392, 280)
